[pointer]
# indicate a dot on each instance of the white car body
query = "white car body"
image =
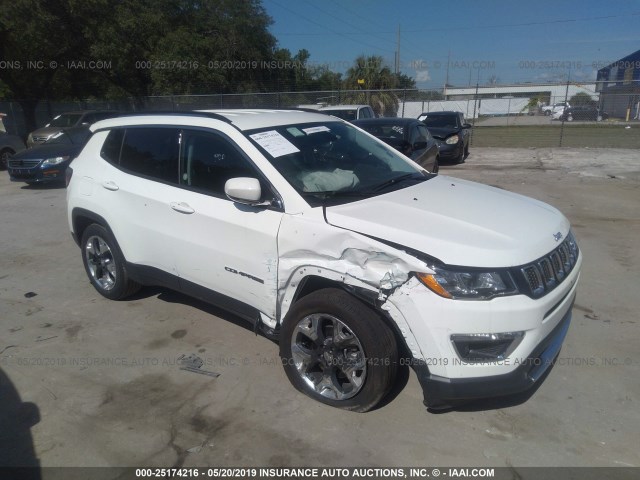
(261, 257)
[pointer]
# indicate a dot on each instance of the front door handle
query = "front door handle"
(181, 207)
(110, 185)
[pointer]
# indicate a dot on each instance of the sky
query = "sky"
(465, 41)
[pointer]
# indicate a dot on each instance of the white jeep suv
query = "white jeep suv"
(353, 257)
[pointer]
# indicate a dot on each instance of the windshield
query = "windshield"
(440, 121)
(334, 159)
(72, 136)
(65, 120)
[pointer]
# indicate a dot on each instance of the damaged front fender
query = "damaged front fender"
(341, 256)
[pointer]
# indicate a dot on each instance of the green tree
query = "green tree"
(582, 99)
(373, 77)
(37, 41)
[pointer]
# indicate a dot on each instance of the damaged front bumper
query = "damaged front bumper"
(441, 393)
(431, 326)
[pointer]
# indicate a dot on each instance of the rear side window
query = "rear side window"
(112, 146)
(151, 152)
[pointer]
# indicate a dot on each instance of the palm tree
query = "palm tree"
(370, 78)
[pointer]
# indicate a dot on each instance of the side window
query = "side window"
(152, 152)
(209, 160)
(364, 113)
(112, 146)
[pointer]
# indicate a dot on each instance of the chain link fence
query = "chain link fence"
(522, 115)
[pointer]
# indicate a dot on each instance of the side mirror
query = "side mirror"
(466, 125)
(244, 190)
(420, 145)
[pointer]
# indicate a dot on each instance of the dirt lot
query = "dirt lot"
(90, 382)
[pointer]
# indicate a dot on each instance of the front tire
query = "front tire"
(5, 154)
(105, 264)
(338, 351)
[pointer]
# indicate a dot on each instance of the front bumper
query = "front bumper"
(55, 173)
(430, 324)
(442, 392)
(450, 152)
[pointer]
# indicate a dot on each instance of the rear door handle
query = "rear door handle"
(109, 185)
(181, 207)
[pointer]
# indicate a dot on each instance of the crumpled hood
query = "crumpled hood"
(458, 222)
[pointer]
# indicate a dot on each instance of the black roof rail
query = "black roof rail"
(186, 113)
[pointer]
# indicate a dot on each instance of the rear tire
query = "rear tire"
(105, 265)
(338, 351)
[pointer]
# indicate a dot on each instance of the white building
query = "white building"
(548, 93)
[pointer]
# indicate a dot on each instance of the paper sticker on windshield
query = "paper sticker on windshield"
(274, 143)
(311, 130)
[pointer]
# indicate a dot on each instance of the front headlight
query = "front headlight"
(469, 284)
(55, 160)
(452, 140)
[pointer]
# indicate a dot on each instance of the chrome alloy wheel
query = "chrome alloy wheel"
(100, 262)
(328, 356)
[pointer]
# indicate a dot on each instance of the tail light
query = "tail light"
(67, 176)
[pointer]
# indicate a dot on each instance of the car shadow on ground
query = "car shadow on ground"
(16, 443)
(43, 186)
(171, 296)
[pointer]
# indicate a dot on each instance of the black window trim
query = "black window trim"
(138, 174)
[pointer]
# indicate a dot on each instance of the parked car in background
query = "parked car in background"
(407, 135)
(556, 107)
(67, 120)
(451, 132)
(9, 144)
(349, 112)
(48, 162)
(583, 112)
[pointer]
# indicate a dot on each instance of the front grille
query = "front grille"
(546, 273)
(23, 163)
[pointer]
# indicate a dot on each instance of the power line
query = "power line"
(327, 28)
(472, 27)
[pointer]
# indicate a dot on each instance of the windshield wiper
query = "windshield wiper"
(336, 193)
(400, 178)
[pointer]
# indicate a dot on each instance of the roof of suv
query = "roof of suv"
(243, 119)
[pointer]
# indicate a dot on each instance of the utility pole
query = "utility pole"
(446, 80)
(566, 94)
(397, 62)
